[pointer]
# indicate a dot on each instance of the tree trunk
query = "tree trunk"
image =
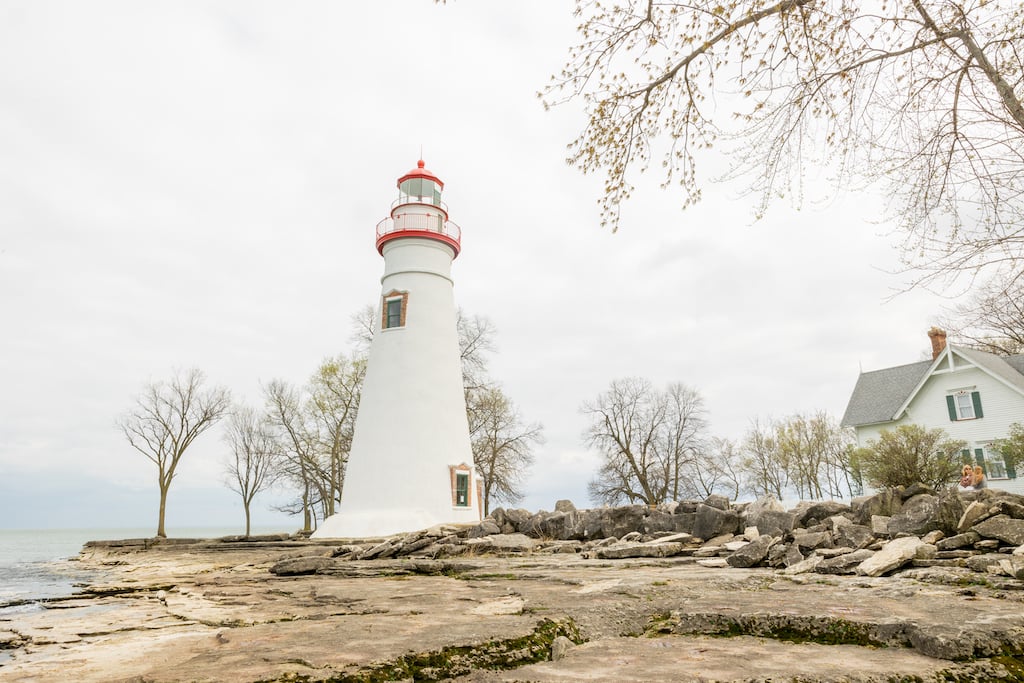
(306, 521)
(247, 527)
(163, 506)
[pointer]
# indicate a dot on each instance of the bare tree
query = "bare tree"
(251, 465)
(682, 440)
(502, 446)
(816, 453)
(167, 419)
(364, 324)
(807, 455)
(296, 445)
(716, 470)
(925, 96)
(763, 470)
(647, 439)
(992, 319)
(332, 404)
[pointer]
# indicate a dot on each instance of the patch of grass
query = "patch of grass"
(794, 629)
(1014, 666)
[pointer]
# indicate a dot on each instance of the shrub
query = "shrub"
(1012, 447)
(911, 454)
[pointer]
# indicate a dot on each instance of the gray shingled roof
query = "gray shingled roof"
(999, 366)
(880, 393)
(1016, 362)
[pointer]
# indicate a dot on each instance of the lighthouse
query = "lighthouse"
(411, 464)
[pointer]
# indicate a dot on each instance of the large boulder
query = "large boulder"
(565, 505)
(975, 512)
(926, 512)
(711, 521)
(759, 507)
(846, 563)
(853, 536)
(1009, 508)
(768, 515)
(684, 520)
(717, 501)
(518, 519)
(885, 503)
(507, 543)
(620, 521)
(752, 553)
(959, 541)
(892, 556)
(624, 550)
(299, 566)
(658, 521)
(560, 526)
(809, 514)
(487, 527)
(1006, 529)
(812, 540)
(772, 523)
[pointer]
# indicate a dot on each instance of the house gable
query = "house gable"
(955, 361)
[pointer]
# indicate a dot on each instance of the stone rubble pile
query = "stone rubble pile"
(949, 535)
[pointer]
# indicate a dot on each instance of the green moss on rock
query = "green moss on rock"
(459, 660)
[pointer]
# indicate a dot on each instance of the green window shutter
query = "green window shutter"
(951, 404)
(976, 400)
(1011, 471)
(965, 455)
(979, 456)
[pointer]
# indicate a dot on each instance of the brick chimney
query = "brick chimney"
(938, 338)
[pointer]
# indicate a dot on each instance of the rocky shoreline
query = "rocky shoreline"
(906, 585)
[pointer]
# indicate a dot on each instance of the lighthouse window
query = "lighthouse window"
(395, 304)
(462, 490)
(394, 316)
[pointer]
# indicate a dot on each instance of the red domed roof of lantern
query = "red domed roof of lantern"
(421, 172)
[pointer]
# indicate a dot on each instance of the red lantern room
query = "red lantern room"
(419, 212)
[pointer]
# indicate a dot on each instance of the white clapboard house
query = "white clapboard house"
(973, 395)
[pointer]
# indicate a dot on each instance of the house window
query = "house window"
(991, 461)
(995, 466)
(394, 309)
(964, 405)
(462, 490)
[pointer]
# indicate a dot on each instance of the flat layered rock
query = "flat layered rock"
(170, 615)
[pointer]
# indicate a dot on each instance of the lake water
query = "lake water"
(31, 566)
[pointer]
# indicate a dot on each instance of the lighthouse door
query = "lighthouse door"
(462, 490)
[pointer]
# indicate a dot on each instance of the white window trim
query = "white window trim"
(960, 409)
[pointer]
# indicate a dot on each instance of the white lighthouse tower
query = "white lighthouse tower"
(411, 465)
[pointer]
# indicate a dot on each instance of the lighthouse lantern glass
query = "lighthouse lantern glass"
(420, 190)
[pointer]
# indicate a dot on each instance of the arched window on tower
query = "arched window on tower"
(393, 309)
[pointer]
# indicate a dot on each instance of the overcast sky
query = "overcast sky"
(196, 184)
